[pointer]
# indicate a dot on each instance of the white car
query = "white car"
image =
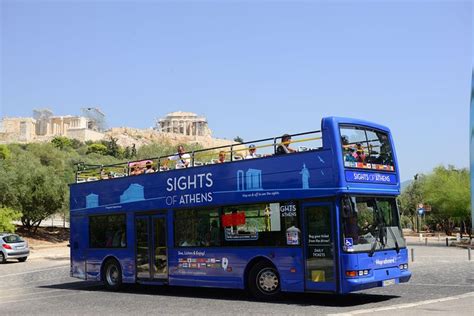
(13, 247)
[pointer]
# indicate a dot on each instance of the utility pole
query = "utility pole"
(472, 151)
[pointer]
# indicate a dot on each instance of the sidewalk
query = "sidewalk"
(438, 241)
(58, 251)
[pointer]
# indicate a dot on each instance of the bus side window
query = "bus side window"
(196, 228)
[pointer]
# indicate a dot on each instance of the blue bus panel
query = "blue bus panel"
(308, 186)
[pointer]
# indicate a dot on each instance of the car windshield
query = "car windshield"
(11, 239)
(371, 224)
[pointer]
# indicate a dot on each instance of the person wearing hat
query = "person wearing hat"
(252, 152)
(284, 147)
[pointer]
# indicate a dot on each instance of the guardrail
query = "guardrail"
(239, 151)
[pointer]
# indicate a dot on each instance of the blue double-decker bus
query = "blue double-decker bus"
(310, 212)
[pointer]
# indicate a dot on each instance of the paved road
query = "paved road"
(443, 283)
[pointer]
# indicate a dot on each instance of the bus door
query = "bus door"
(319, 247)
(151, 250)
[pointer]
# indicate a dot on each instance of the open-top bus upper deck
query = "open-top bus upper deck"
(325, 163)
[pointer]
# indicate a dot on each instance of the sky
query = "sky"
(255, 69)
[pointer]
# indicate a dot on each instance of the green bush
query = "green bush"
(4, 152)
(7, 216)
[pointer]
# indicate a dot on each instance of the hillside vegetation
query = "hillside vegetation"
(34, 177)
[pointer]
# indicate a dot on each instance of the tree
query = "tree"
(411, 196)
(76, 143)
(61, 142)
(97, 148)
(4, 152)
(127, 153)
(33, 189)
(447, 190)
(7, 216)
(238, 139)
(113, 148)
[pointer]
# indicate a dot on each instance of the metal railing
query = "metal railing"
(235, 152)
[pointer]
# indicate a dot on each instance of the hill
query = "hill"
(127, 136)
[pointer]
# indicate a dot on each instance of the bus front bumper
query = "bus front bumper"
(377, 278)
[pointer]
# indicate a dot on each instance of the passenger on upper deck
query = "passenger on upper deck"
(284, 147)
(135, 170)
(221, 157)
(349, 155)
(149, 167)
(385, 156)
(181, 157)
(359, 155)
(103, 174)
(252, 152)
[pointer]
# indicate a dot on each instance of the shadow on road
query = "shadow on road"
(302, 299)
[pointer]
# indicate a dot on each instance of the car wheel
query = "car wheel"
(112, 275)
(23, 259)
(264, 281)
(2, 257)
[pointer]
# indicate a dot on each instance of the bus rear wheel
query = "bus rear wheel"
(112, 275)
(264, 281)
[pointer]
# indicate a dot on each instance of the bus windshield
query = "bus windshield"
(366, 148)
(371, 224)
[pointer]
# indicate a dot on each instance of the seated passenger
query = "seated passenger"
(135, 170)
(221, 157)
(349, 156)
(149, 167)
(103, 174)
(284, 147)
(359, 155)
(252, 152)
(181, 157)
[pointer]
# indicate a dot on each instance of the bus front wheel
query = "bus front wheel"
(112, 275)
(264, 281)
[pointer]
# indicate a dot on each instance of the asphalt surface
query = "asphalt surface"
(442, 284)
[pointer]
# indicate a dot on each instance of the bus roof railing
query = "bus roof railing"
(93, 172)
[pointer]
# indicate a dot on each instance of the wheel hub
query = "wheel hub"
(268, 281)
(112, 275)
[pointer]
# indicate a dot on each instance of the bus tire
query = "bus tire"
(112, 275)
(264, 281)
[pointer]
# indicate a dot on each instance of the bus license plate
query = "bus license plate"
(388, 282)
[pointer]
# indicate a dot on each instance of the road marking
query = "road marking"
(34, 271)
(402, 306)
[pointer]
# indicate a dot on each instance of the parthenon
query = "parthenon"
(184, 123)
